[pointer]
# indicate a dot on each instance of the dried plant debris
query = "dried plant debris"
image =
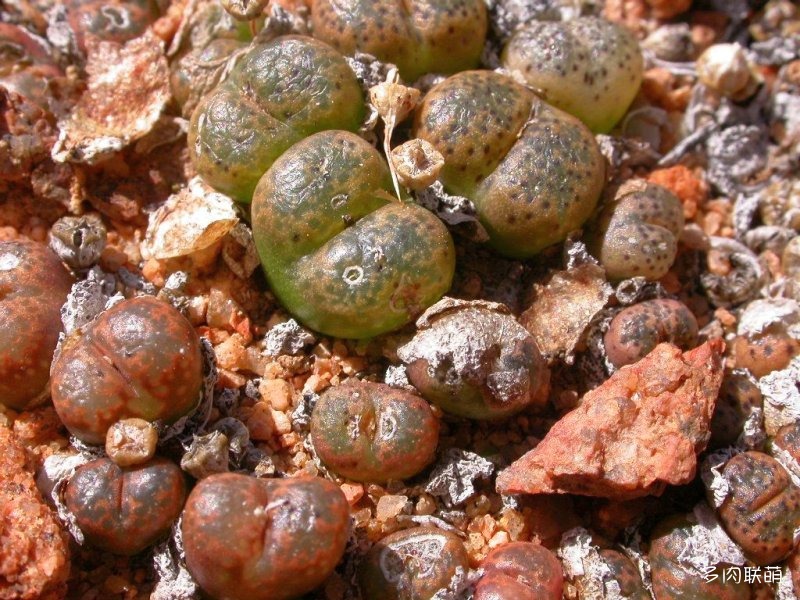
(189, 221)
(87, 299)
(454, 476)
(456, 211)
(708, 544)
(564, 306)
(781, 397)
(744, 278)
(585, 568)
(288, 337)
(759, 316)
(639, 431)
(127, 89)
(735, 155)
(174, 581)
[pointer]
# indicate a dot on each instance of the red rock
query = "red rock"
(633, 435)
(34, 550)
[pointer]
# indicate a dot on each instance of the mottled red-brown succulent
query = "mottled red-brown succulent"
(414, 563)
(126, 509)
(372, 432)
(33, 286)
(520, 571)
(141, 358)
(762, 509)
(263, 539)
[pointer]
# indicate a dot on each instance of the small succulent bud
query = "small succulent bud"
(244, 10)
(725, 69)
(131, 442)
(417, 163)
(78, 241)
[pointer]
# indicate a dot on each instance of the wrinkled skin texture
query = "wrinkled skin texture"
(636, 330)
(637, 233)
(278, 93)
(588, 67)
(124, 510)
(534, 172)
(762, 509)
(25, 65)
(419, 36)
(633, 435)
(738, 396)
(476, 362)
(141, 358)
(413, 563)
(520, 571)
(372, 432)
(339, 251)
(33, 286)
(263, 539)
(671, 581)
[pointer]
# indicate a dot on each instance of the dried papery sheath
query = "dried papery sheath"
(744, 280)
(781, 397)
(759, 316)
(239, 251)
(53, 477)
(184, 428)
(456, 211)
(454, 476)
(128, 88)
(585, 568)
(287, 338)
(708, 545)
(711, 474)
(174, 580)
(87, 299)
(565, 305)
(189, 221)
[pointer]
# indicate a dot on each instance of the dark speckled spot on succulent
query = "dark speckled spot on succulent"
(636, 330)
(33, 286)
(533, 172)
(340, 252)
(141, 358)
(278, 93)
(124, 510)
(762, 509)
(588, 67)
(419, 36)
(637, 233)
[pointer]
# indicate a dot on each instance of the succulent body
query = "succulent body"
(140, 358)
(763, 353)
(625, 573)
(533, 172)
(33, 286)
(110, 20)
(263, 539)
(124, 510)
(636, 330)
(672, 580)
(339, 251)
(636, 234)
(419, 36)
(738, 398)
(520, 571)
(475, 361)
(588, 67)
(278, 93)
(762, 509)
(372, 432)
(413, 563)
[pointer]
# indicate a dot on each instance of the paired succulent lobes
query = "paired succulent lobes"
(588, 67)
(33, 286)
(279, 93)
(263, 539)
(533, 172)
(140, 358)
(419, 36)
(339, 251)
